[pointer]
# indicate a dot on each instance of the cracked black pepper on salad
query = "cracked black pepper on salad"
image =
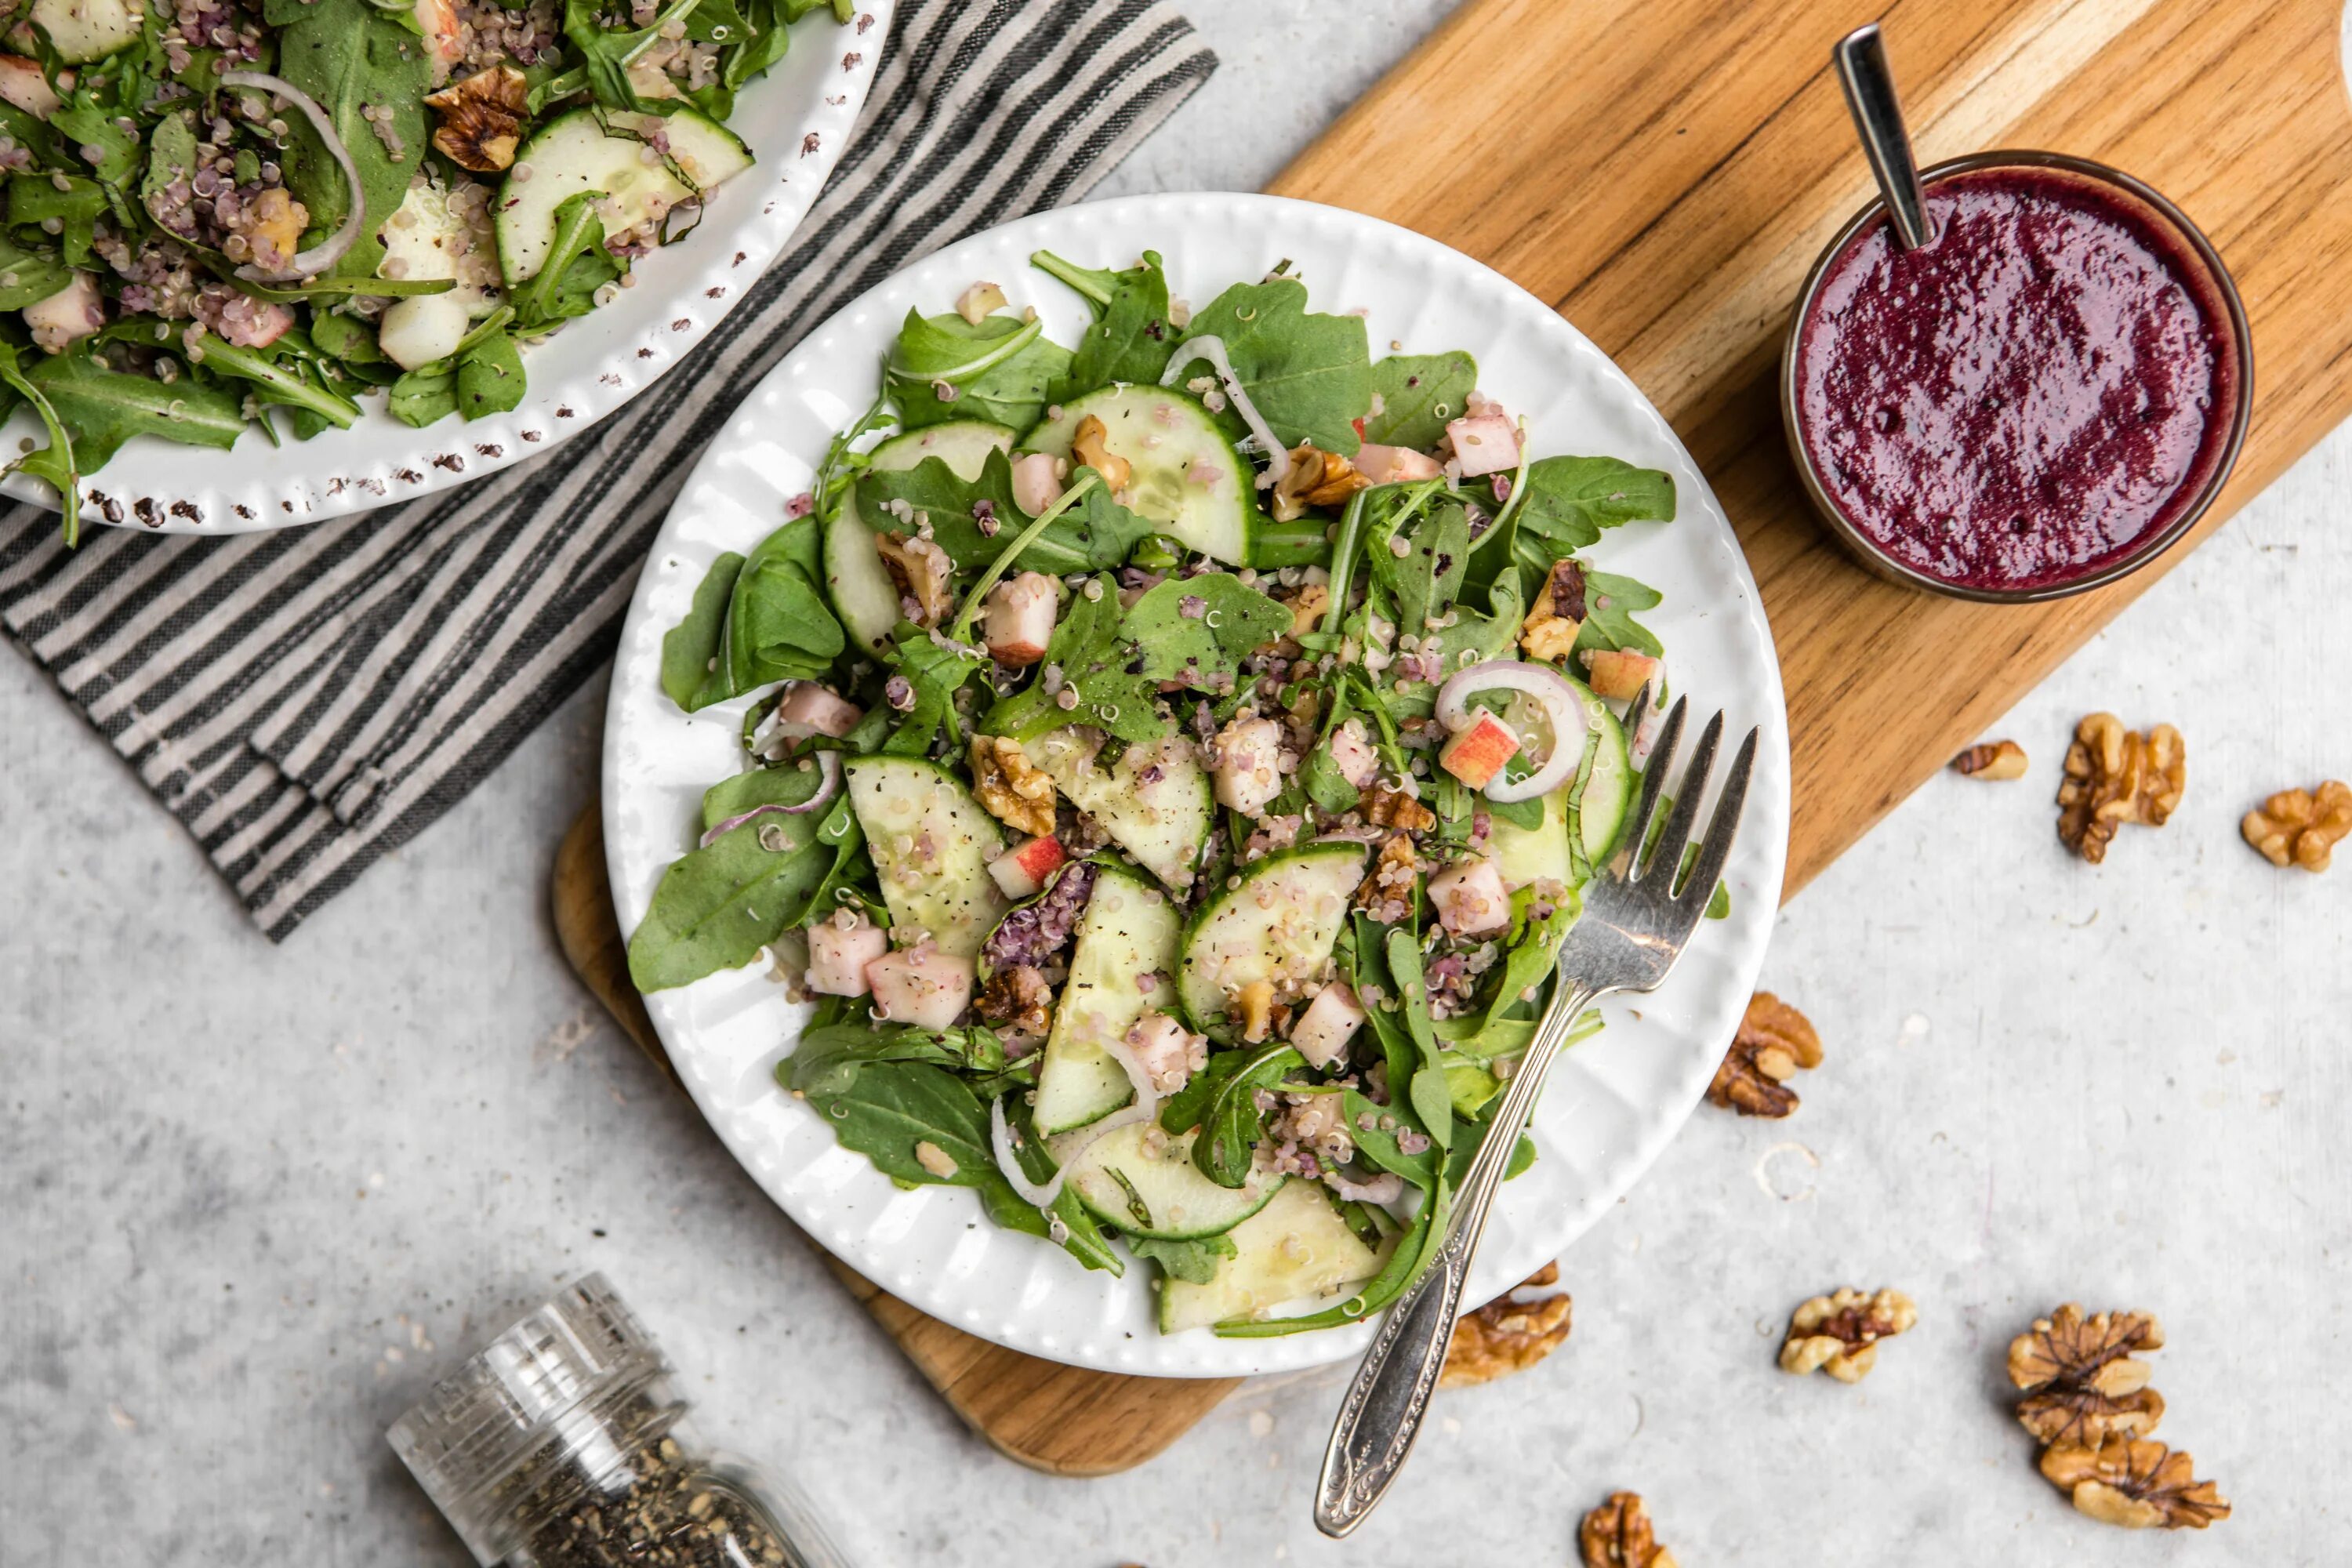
(1171, 761)
(220, 209)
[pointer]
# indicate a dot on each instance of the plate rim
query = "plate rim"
(1744, 939)
(383, 463)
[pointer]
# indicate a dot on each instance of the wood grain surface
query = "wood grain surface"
(1664, 173)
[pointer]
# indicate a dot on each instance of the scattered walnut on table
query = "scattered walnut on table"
(1774, 1040)
(2115, 775)
(1009, 787)
(2135, 1482)
(2082, 1378)
(1839, 1333)
(1618, 1534)
(1994, 760)
(1316, 478)
(2300, 828)
(1508, 1334)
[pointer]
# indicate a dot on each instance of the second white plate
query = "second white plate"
(1611, 1105)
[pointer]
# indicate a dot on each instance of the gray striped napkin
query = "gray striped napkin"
(306, 699)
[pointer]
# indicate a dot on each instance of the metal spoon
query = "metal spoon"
(1862, 68)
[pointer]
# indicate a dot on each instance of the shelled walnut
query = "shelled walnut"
(482, 117)
(1508, 1334)
(2082, 1378)
(1011, 789)
(1618, 1534)
(919, 570)
(1316, 478)
(1994, 760)
(1774, 1040)
(2300, 828)
(2135, 1482)
(1839, 1333)
(1386, 807)
(2115, 775)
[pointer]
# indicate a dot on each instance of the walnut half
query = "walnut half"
(481, 119)
(1618, 1534)
(2115, 775)
(1010, 787)
(1508, 1334)
(1316, 478)
(2135, 1482)
(2082, 1382)
(1839, 1333)
(2300, 828)
(1774, 1040)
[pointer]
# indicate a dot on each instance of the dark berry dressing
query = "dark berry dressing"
(2017, 405)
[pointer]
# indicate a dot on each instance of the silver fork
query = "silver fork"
(1635, 925)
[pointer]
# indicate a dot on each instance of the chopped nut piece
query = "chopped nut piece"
(1993, 760)
(1316, 478)
(920, 569)
(2300, 828)
(1507, 1334)
(931, 1158)
(1306, 609)
(2115, 775)
(1618, 1534)
(1009, 787)
(2135, 1482)
(1017, 997)
(1839, 1334)
(1774, 1040)
(481, 119)
(1254, 1006)
(1087, 445)
(2083, 1383)
(1550, 631)
(976, 303)
(1386, 807)
(1387, 891)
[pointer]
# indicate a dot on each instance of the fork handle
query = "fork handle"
(1386, 1404)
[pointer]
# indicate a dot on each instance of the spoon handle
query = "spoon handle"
(1862, 68)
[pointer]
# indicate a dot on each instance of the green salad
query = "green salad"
(219, 210)
(1171, 761)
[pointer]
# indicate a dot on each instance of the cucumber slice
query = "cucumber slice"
(703, 151)
(433, 242)
(569, 154)
(1526, 854)
(1277, 925)
(1122, 1183)
(1165, 435)
(1163, 824)
(1295, 1248)
(932, 843)
(861, 590)
(1131, 929)
(84, 30)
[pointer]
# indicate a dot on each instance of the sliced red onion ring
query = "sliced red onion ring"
(1384, 1188)
(1540, 684)
(335, 247)
(1008, 1161)
(828, 763)
(1210, 347)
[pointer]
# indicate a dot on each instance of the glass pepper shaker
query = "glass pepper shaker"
(564, 1445)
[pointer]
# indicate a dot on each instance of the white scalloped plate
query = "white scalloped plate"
(577, 376)
(1613, 1104)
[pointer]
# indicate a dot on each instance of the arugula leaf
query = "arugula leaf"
(997, 369)
(345, 337)
(1569, 501)
(1310, 376)
(1430, 1096)
(717, 906)
(423, 395)
(828, 1060)
(1094, 659)
(102, 409)
(1094, 533)
(1203, 650)
(1231, 1121)
(1376, 1141)
(1193, 1262)
(1535, 943)
(1419, 394)
(349, 54)
(34, 200)
(606, 53)
(577, 265)
(779, 625)
(937, 669)
(1131, 339)
(27, 276)
(276, 376)
(55, 462)
(489, 378)
(90, 121)
(757, 787)
(1611, 602)
(1426, 578)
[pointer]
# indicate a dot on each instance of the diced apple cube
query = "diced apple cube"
(1021, 871)
(1470, 898)
(1619, 674)
(1395, 465)
(73, 312)
(23, 84)
(808, 703)
(1168, 1052)
(1019, 621)
(1249, 772)
(1478, 753)
(1037, 482)
(840, 947)
(1352, 754)
(1330, 1021)
(1485, 443)
(920, 986)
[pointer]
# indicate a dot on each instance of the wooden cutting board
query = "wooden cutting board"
(1665, 172)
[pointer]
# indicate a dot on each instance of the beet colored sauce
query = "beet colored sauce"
(2021, 401)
